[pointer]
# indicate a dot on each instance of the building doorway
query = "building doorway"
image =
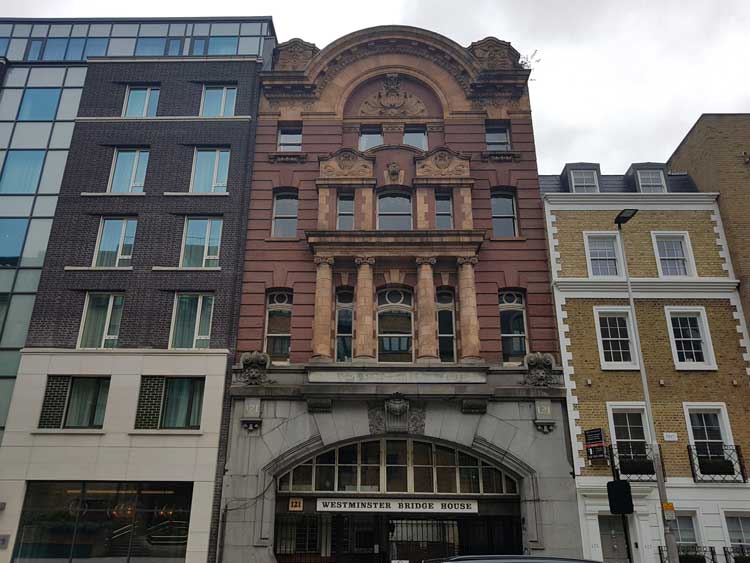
(615, 539)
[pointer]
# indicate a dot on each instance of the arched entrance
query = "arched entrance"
(395, 498)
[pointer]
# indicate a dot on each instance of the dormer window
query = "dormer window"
(584, 181)
(651, 181)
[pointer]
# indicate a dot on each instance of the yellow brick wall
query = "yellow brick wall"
(638, 243)
(679, 386)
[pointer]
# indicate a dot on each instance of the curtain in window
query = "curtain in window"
(82, 402)
(194, 420)
(96, 316)
(184, 325)
(195, 240)
(176, 403)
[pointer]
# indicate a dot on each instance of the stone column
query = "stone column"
(467, 300)
(323, 308)
(427, 348)
(364, 345)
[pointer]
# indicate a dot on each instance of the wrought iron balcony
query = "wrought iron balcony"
(737, 554)
(690, 553)
(717, 463)
(634, 461)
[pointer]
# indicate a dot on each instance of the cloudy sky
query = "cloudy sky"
(617, 81)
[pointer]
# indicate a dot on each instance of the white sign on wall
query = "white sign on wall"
(397, 505)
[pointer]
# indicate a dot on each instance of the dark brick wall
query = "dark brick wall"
(55, 398)
(148, 412)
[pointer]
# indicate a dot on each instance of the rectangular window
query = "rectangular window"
(129, 170)
(290, 138)
(191, 326)
(218, 101)
(614, 338)
(690, 338)
(651, 181)
(141, 102)
(21, 172)
(54, 49)
(512, 325)
(101, 320)
(685, 530)
(285, 215)
(446, 321)
(174, 47)
(344, 324)
(603, 255)
(150, 46)
(370, 136)
(345, 212)
(210, 170)
(497, 137)
(34, 52)
(87, 402)
(503, 215)
(584, 181)
(12, 233)
(707, 435)
(115, 246)
(222, 45)
(415, 136)
(201, 244)
(198, 46)
(673, 254)
(630, 436)
(739, 531)
(279, 325)
(443, 211)
(39, 104)
(183, 403)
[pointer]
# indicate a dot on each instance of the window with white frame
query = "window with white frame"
(708, 437)
(446, 321)
(690, 338)
(651, 181)
(345, 212)
(100, 327)
(191, 325)
(128, 170)
(738, 527)
(504, 220)
(673, 254)
(279, 325)
(201, 243)
(395, 325)
(218, 101)
(344, 324)
(614, 336)
(86, 402)
(512, 305)
(685, 530)
(114, 248)
(141, 102)
(289, 137)
(443, 210)
(394, 212)
(285, 207)
(584, 181)
(629, 432)
(603, 255)
(210, 170)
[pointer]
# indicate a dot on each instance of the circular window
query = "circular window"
(345, 297)
(512, 298)
(281, 298)
(394, 297)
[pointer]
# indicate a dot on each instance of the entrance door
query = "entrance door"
(614, 539)
(358, 538)
(414, 540)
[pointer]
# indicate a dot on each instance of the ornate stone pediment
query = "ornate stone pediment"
(442, 162)
(540, 372)
(493, 54)
(346, 163)
(392, 100)
(293, 54)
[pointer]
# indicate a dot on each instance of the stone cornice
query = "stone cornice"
(667, 201)
(678, 288)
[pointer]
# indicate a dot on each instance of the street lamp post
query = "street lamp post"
(669, 536)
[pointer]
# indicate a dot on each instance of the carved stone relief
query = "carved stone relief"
(294, 54)
(346, 163)
(540, 372)
(393, 173)
(252, 369)
(392, 101)
(442, 163)
(494, 54)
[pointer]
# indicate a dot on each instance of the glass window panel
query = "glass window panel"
(80, 30)
(510, 486)
(136, 104)
(103, 536)
(185, 319)
(324, 478)
(492, 480)
(121, 47)
(54, 49)
(150, 46)
(249, 46)
(502, 205)
(86, 402)
(95, 320)
(285, 227)
(395, 479)
(35, 248)
(469, 479)
(75, 49)
(394, 222)
(394, 203)
(445, 456)
(395, 452)
(423, 480)
(62, 133)
(199, 46)
(75, 76)
(279, 321)
(39, 104)
(46, 535)
(204, 326)
(31, 135)
(212, 101)
(6, 392)
(286, 204)
(183, 399)
(10, 101)
(222, 45)
(369, 478)
(9, 360)
(174, 47)
(12, 233)
(225, 29)
(422, 453)
(99, 29)
(153, 29)
(16, 76)
(370, 139)
(326, 458)
(195, 241)
(6, 279)
(109, 243)
(21, 172)
(446, 479)
(3, 45)
(15, 206)
(394, 322)
(45, 206)
(371, 452)
(35, 50)
(503, 227)
(348, 454)
(95, 47)
(17, 321)
(347, 478)
(16, 49)
(445, 322)
(125, 30)
(6, 130)
(302, 478)
(27, 280)
(69, 101)
(415, 137)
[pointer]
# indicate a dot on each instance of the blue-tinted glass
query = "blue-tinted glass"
(212, 101)
(153, 102)
(204, 171)
(109, 243)
(222, 46)
(54, 49)
(136, 102)
(75, 49)
(96, 47)
(195, 241)
(21, 172)
(150, 46)
(123, 171)
(35, 50)
(12, 232)
(175, 47)
(3, 45)
(39, 104)
(199, 46)
(230, 100)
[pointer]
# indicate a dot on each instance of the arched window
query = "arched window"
(344, 324)
(503, 215)
(278, 325)
(284, 215)
(513, 325)
(446, 325)
(395, 325)
(394, 211)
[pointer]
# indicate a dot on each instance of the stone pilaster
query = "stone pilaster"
(364, 345)
(426, 310)
(465, 219)
(468, 318)
(323, 308)
(423, 207)
(364, 202)
(326, 198)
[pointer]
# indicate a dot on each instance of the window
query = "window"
(222, 45)
(12, 233)
(39, 104)
(630, 436)
(496, 136)
(191, 326)
(218, 101)
(503, 215)
(443, 210)
(345, 212)
(584, 181)
(115, 246)
(344, 324)
(6, 389)
(201, 243)
(446, 322)
(416, 136)
(21, 172)
(673, 254)
(394, 212)
(183, 402)
(279, 325)
(174, 47)
(150, 46)
(395, 326)
(210, 170)
(706, 432)
(651, 181)
(739, 531)
(285, 215)
(690, 338)
(141, 102)
(614, 338)
(129, 170)
(87, 402)
(370, 136)
(512, 325)
(290, 138)
(603, 252)
(34, 52)
(101, 320)
(685, 530)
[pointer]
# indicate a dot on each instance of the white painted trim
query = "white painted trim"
(170, 194)
(111, 194)
(692, 271)
(618, 253)
(617, 201)
(97, 269)
(610, 366)
(721, 241)
(710, 359)
(552, 241)
(627, 406)
(721, 408)
(121, 119)
(661, 175)
(573, 183)
(672, 286)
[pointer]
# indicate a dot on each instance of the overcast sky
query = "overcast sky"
(618, 81)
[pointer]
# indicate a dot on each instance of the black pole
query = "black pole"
(616, 477)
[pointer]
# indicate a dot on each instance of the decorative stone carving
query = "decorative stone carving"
(392, 101)
(315, 404)
(393, 173)
(425, 260)
(287, 157)
(493, 54)
(395, 414)
(543, 416)
(293, 54)
(376, 417)
(442, 163)
(472, 260)
(346, 163)
(252, 369)
(359, 260)
(323, 260)
(474, 406)
(540, 370)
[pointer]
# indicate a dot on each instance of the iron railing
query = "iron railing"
(634, 462)
(717, 463)
(689, 553)
(737, 554)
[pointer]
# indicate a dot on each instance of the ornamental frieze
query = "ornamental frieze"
(442, 162)
(346, 163)
(392, 101)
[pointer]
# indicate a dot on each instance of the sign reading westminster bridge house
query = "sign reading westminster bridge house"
(397, 505)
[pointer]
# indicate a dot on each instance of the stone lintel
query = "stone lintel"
(345, 182)
(443, 182)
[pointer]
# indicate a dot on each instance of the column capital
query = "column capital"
(360, 260)
(472, 260)
(323, 260)
(426, 260)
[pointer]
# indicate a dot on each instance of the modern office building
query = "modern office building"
(120, 313)
(694, 344)
(396, 395)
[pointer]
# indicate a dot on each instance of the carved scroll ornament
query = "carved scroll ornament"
(443, 163)
(392, 101)
(346, 163)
